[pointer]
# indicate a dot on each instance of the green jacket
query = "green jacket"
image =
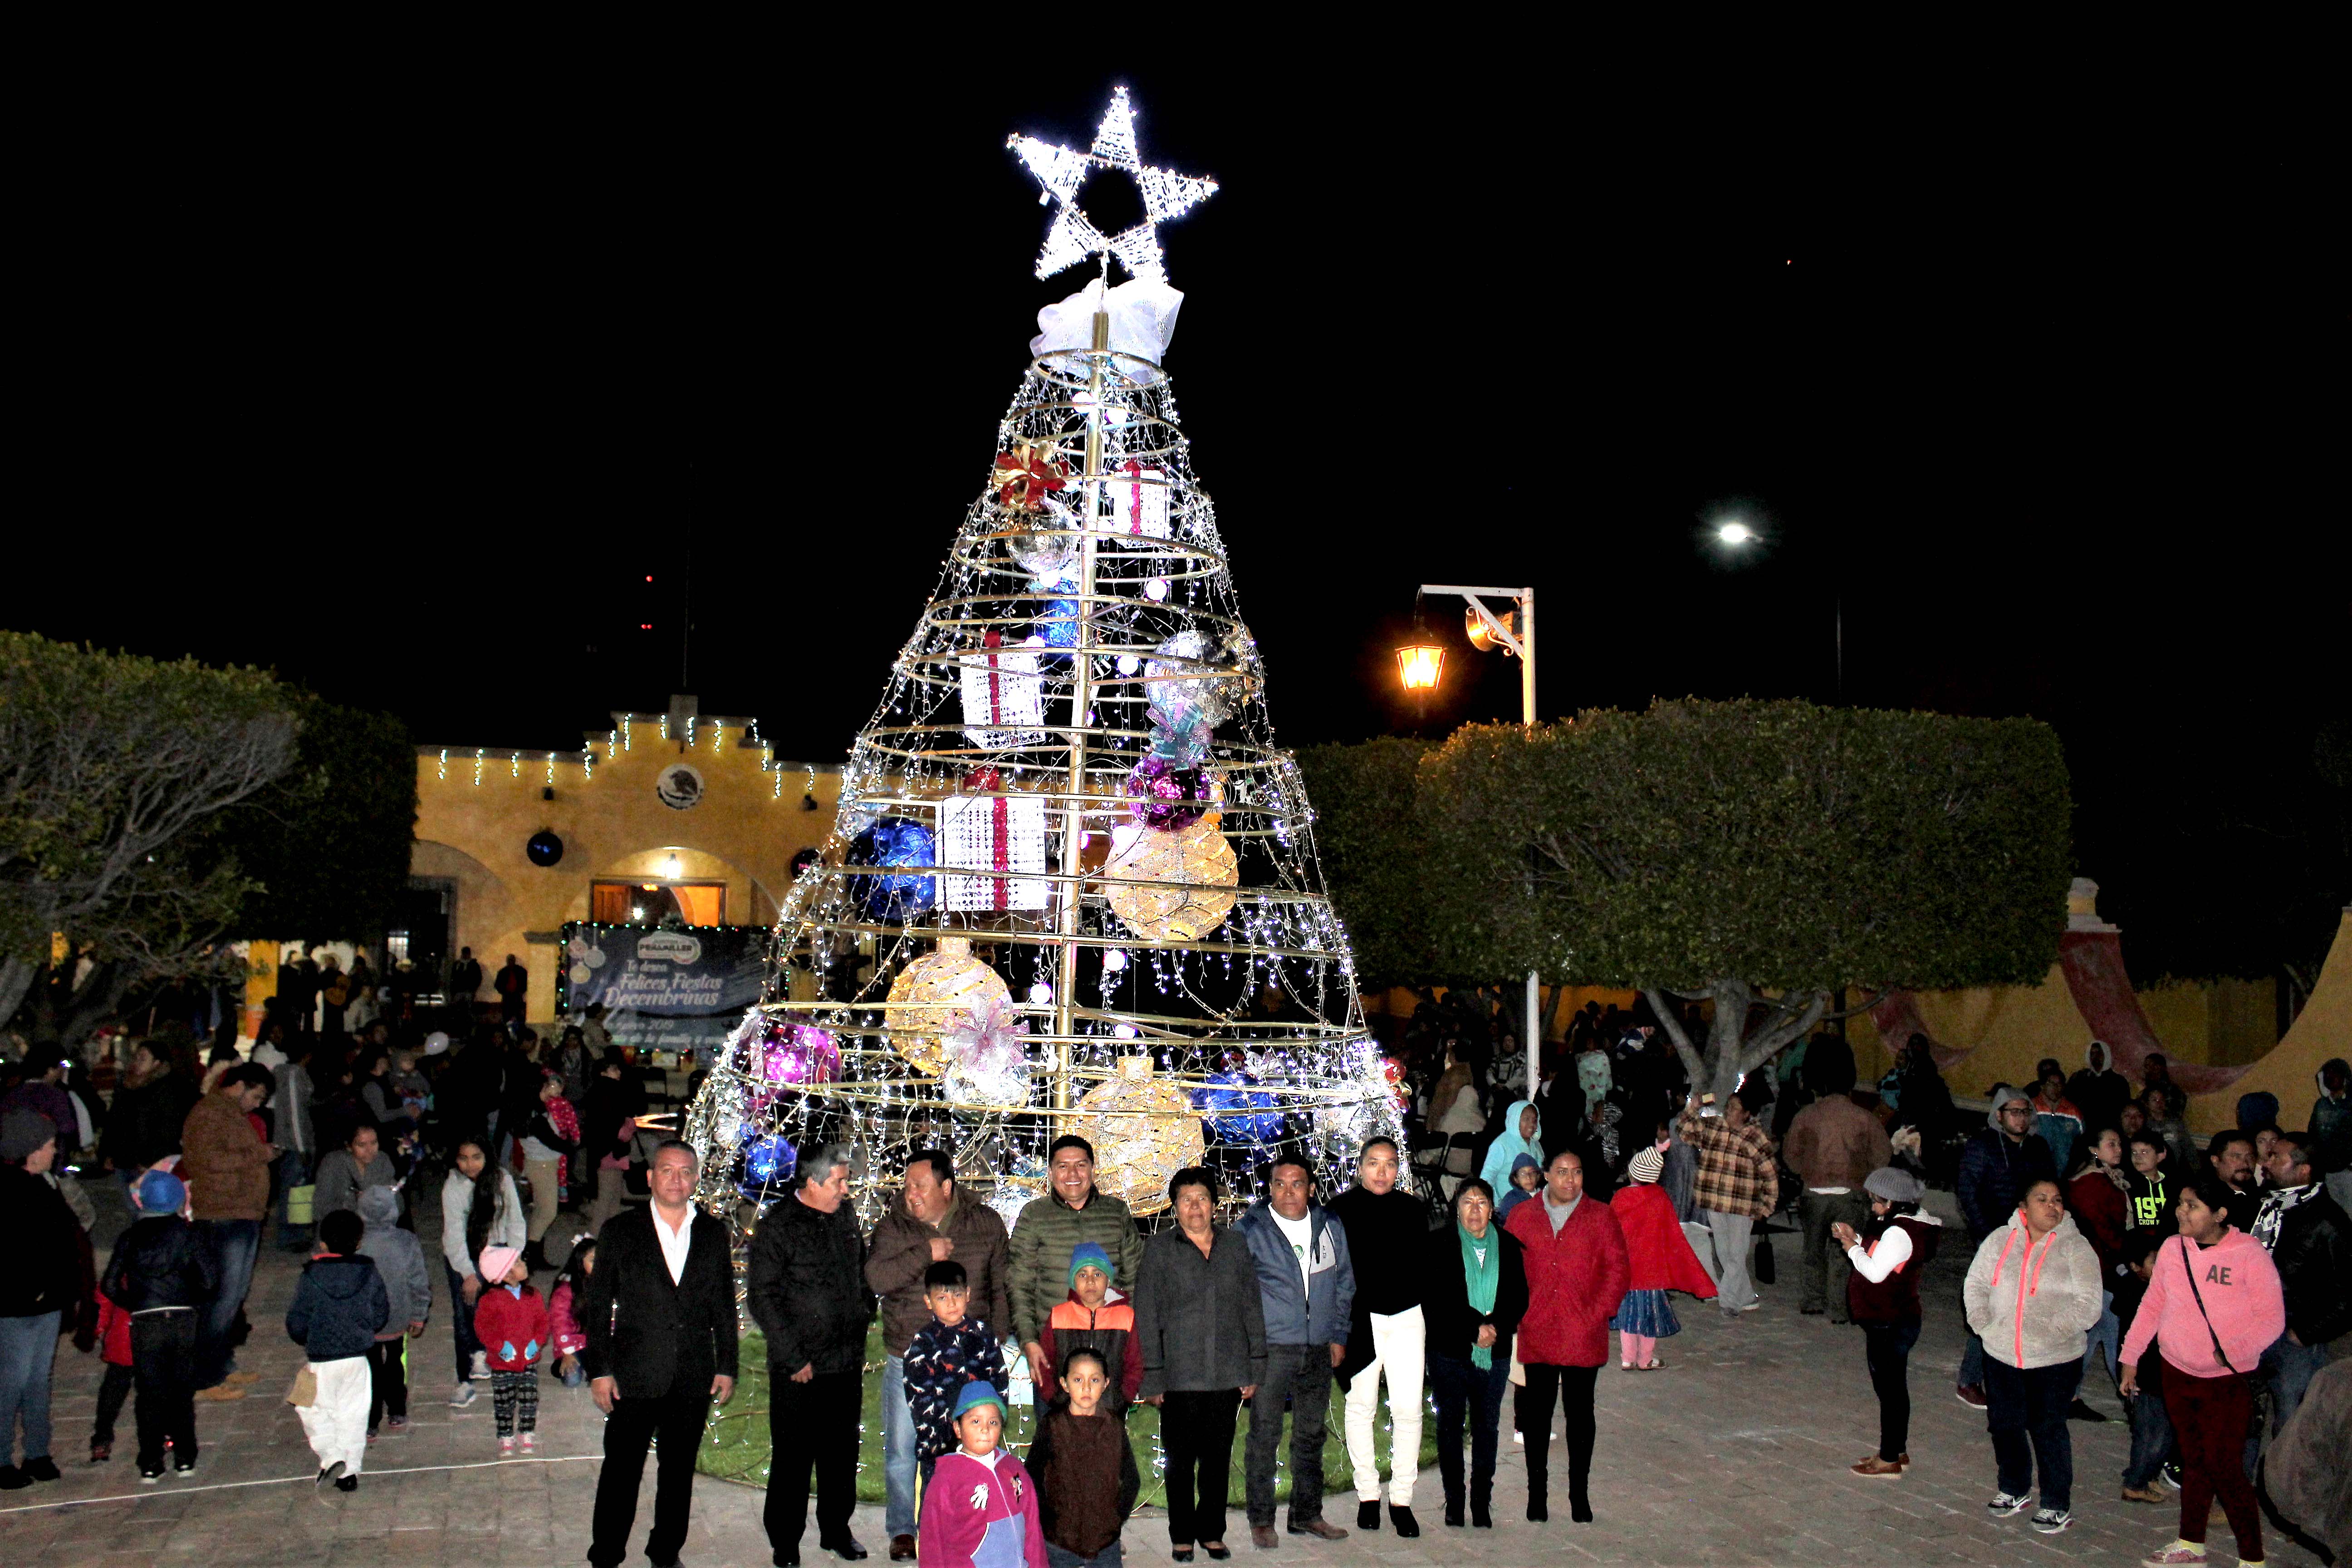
(1048, 1232)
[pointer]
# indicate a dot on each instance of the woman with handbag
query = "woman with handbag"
(2213, 1305)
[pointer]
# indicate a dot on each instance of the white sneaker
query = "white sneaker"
(2003, 1504)
(481, 1367)
(530, 1441)
(506, 1446)
(2051, 1520)
(463, 1397)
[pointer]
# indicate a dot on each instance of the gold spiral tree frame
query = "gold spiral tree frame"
(1186, 990)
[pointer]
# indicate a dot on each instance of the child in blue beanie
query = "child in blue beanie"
(162, 1276)
(980, 1509)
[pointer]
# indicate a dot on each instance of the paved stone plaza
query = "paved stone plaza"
(1735, 1453)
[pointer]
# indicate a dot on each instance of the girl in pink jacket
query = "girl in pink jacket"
(2213, 1306)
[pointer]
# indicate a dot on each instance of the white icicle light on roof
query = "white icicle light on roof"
(1062, 171)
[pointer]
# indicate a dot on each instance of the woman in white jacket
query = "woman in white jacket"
(480, 1208)
(2033, 1291)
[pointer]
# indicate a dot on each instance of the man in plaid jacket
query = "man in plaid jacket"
(1738, 1184)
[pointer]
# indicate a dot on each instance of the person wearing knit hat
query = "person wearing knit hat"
(511, 1321)
(981, 1502)
(1091, 1255)
(160, 1192)
(1661, 1258)
(1888, 1255)
(497, 1262)
(161, 1276)
(22, 1133)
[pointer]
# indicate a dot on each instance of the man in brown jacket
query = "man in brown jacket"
(931, 1222)
(1833, 1145)
(226, 1166)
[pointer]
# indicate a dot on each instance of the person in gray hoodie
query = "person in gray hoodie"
(2033, 1291)
(1307, 1286)
(400, 1258)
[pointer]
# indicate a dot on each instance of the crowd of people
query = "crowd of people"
(2208, 1281)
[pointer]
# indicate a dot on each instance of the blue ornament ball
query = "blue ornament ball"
(894, 841)
(768, 1162)
(1059, 624)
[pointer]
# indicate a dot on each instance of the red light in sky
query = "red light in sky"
(645, 625)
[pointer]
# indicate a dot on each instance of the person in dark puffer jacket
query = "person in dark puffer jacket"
(163, 1275)
(339, 1308)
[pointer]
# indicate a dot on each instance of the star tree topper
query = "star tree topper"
(1061, 169)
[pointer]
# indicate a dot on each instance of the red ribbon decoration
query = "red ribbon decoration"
(1027, 475)
(999, 818)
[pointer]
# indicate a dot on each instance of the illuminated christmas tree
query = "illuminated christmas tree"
(1073, 883)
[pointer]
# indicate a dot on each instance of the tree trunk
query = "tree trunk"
(16, 978)
(1736, 1043)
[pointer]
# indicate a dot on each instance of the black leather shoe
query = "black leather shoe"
(1579, 1510)
(1368, 1515)
(46, 1469)
(1537, 1512)
(846, 1549)
(1482, 1516)
(789, 1558)
(1406, 1525)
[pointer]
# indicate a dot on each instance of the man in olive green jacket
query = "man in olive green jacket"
(1051, 1227)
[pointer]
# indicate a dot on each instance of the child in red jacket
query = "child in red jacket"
(511, 1321)
(1662, 1260)
(563, 1311)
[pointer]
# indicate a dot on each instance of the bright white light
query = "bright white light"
(1155, 589)
(1114, 961)
(670, 867)
(1042, 993)
(1124, 1031)
(1734, 533)
(1128, 664)
(1061, 169)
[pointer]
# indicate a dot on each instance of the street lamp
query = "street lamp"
(1513, 632)
(1420, 665)
(1735, 533)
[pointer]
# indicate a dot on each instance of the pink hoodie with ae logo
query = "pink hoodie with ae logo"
(2240, 1287)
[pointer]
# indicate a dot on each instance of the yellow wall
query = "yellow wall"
(2323, 1029)
(473, 821)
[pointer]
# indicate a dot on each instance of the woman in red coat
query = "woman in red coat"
(1662, 1260)
(1576, 1273)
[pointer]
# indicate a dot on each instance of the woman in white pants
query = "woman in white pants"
(1387, 1232)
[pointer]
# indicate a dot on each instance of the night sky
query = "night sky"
(2041, 385)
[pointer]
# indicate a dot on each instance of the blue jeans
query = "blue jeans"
(2028, 1420)
(2288, 1368)
(1108, 1557)
(2151, 1443)
(28, 1347)
(293, 1170)
(2105, 1340)
(898, 1450)
(461, 1324)
(234, 1242)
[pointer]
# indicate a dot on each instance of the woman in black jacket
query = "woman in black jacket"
(1475, 1294)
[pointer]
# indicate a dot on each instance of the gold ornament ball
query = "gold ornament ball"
(1197, 857)
(1144, 1130)
(952, 982)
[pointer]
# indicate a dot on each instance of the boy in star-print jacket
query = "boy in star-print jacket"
(946, 1354)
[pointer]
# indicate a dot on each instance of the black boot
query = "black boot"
(1453, 1509)
(1482, 1513)
(1580, 1507)
(1367, 1514)
(1537, 1512)
(1407, 1527)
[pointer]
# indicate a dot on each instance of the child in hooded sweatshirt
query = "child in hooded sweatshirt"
(2213, 1305)
(400, 1258)
(1094, 1317)
(511, 1323)
(161, 1276)
(979, 1508)
(1525, 1177)
(1521, 1123)
(943, 1358)
(1662, 1260)
(339, 1308)
(1084, 1468)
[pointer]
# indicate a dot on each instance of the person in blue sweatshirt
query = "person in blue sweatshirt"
(339, 1308)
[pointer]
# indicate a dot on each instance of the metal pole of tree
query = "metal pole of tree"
(1517, 632)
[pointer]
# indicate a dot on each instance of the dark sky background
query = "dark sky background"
(2038, 382)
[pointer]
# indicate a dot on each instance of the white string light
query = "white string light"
(1073, 238)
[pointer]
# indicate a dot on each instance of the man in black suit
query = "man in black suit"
(660, 1313)
(805, 1281)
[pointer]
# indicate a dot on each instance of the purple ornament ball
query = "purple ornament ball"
(1162, 795)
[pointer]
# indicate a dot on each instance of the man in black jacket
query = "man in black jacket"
(1387, 1234)
(2310, 1240)
(660, 1314)
(806, 1283)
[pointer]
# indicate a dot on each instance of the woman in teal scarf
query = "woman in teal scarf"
(1476, 1294)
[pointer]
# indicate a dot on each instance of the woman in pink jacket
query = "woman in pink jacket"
(2213, 1305)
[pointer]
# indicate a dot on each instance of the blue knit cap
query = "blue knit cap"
(1090, 1255)
(160, 1192)
(977, 1394)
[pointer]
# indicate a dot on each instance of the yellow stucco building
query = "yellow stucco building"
(679, 810)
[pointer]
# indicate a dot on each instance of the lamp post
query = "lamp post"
(1515, 631)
